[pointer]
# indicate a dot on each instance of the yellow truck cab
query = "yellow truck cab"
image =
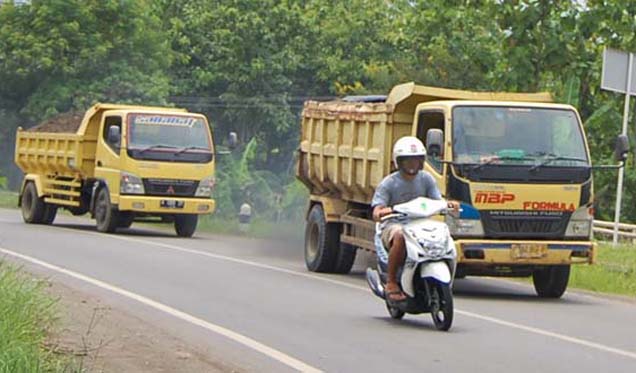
(122, 163)
(519, 165)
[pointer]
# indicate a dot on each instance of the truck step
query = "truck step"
(64, 202)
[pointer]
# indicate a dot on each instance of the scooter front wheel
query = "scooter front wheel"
(441, 305)
(395, 312)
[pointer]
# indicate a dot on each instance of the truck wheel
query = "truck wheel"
(185, 225)
(125, 219)
(551, 282)
(322, 242)
(345, 259)
(50, 211)
(105, 214)
(32, 206)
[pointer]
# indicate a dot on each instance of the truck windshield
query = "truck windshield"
(536, 137)
(169, 137)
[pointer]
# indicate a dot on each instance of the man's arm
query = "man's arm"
(381, 199)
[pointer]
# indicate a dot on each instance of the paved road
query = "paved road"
(252, 303)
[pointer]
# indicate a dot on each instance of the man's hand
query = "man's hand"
(454, 205)
(380, 211)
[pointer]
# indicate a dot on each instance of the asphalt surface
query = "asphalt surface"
(252, 303)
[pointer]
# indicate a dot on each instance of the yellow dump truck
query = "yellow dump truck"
(518, 163)
(119, 163)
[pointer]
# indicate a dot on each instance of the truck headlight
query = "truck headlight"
(580, 224)
(130, 184)
(206, 187)
(465, 227)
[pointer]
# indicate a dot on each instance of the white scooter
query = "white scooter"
(429, 267)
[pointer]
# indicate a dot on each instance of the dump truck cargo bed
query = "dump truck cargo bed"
(345, 146)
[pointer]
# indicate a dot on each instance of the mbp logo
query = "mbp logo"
(494, 197)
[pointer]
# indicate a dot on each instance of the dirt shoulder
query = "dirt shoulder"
(107, 339)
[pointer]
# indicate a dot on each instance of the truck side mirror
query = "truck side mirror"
(621, 148)
(114, 135)
(435, 142)
(232, 140)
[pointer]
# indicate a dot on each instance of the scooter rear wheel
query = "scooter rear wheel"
(395, 312)
(441, 305)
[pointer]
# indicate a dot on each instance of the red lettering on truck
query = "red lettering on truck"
(494, 197)
(548, 206)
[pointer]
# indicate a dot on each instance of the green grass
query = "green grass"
(614, 272)
(8, 199)
(258, 228)
(26, 314)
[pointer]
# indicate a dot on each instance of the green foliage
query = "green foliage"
(57, 55)
(249, 66)
(272, 196)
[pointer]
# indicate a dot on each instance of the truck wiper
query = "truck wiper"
(155, 147)
(553, 158)
(490, 161)
(185, 149)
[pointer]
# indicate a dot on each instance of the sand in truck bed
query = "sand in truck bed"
(61, 123)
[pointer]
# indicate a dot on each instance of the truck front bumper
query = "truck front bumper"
(523, 253)
(166, 205)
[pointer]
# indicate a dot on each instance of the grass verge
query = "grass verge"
(26, 315)
(614, 271)
(8, 199)
(258, 228)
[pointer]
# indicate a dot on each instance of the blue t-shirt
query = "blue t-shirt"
(394, 189)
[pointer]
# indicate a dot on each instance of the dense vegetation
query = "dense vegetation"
(249, 65)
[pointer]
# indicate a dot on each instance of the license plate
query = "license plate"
(171, 204)
(529, 251)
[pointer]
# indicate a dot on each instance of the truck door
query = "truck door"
(427, 119)
(107, 157)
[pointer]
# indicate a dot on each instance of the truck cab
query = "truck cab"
(522, 172)
(123, 163)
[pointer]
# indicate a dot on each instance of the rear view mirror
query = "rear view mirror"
(232, 140)
(114, 135)
(621, 149)
(435, 142)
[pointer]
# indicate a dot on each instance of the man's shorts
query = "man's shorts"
(388, 233)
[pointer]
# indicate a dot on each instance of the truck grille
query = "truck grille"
(525, 227)
(170, 187)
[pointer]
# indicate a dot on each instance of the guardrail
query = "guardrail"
(606, 228)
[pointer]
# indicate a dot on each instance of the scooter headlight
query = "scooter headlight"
(434, 248)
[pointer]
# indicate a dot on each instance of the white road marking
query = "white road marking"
(236, 337)
(561, 337)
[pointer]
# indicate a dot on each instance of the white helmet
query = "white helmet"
(408, 146)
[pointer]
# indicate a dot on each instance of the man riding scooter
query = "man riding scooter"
(409, 182)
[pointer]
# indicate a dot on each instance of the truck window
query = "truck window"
(428, 120)
(110, 122)
(523, 136)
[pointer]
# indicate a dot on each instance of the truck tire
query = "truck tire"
(125, 219)
(50, 211)
(106, 215)
(551, 282)
(322, 242)
(185, 225)
(33, 207)
(345, 259)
